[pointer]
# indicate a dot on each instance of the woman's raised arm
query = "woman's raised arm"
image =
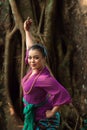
(27, 25)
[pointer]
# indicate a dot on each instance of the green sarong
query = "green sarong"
(29, 116)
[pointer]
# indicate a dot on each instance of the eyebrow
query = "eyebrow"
(34, 55)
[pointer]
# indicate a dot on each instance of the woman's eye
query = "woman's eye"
(36, 58)
(29, 57)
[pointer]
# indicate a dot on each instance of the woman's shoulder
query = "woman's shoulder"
(46, 77)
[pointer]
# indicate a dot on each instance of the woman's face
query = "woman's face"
(35, 59)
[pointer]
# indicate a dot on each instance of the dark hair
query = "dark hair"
(39, 47)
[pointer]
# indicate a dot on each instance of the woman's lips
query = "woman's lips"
(33, 65)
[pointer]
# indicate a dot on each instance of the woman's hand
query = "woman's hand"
(27, 24)
(49, 113)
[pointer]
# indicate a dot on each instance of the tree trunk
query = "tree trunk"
(61, 27)
(75, 24)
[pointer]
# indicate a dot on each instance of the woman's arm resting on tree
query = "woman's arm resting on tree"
(29, 41)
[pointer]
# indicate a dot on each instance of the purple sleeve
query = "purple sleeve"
(58, 93)
(26, 57)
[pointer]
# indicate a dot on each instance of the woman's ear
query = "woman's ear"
(44, 60)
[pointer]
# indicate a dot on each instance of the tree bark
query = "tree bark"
(62, 27)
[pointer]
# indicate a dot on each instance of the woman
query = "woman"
(42, 93)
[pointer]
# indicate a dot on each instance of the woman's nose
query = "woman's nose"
(32, 60)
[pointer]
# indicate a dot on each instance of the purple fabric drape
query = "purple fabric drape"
(44, 85)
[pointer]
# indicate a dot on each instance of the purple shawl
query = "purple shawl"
(44, 84)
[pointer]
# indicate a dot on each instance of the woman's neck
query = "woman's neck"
(34, 71)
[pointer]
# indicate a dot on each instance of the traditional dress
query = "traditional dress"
(43, 92)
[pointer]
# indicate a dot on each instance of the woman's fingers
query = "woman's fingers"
(27, 23)
(29, 20)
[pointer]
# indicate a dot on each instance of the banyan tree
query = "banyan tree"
(62, 27)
